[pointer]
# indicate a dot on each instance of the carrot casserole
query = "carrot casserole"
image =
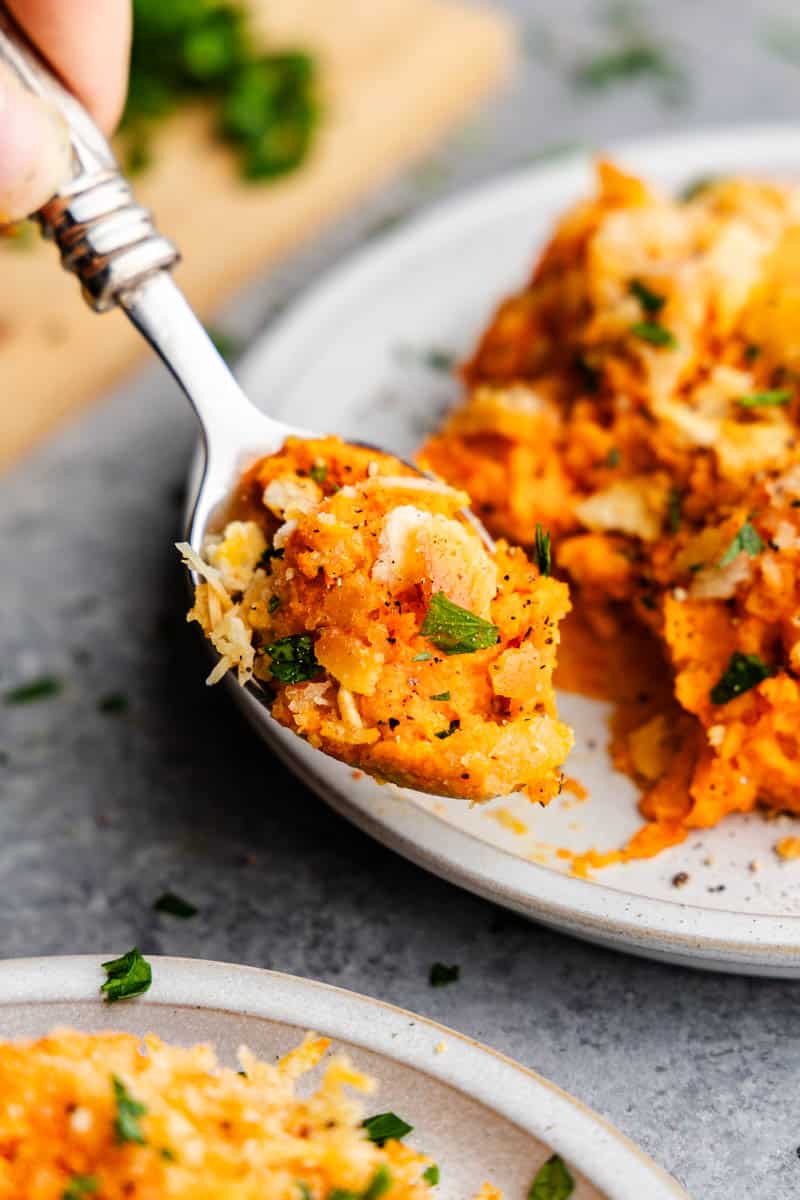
(636, 402)
(107, 1116)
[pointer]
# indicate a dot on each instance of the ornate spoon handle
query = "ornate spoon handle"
(105, 238)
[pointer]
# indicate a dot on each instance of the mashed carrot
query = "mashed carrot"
(640, 397)
(106, 1115)
(386, 634)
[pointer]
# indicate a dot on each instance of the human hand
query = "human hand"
(88, 43)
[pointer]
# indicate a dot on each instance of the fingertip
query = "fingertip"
(35, 152)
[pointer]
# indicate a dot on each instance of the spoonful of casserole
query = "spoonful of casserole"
(362, 599)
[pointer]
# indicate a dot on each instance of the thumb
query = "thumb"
(34, 150)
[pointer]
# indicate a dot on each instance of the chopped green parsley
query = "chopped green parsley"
(175, 906)
(127, 976)
(747, 541)
(440, 974)
(379, 1184)
(319, 472)
(654, 333)
(542, 551)
(431, 1174)
(80, 1186)
(553, 1181)
(384, 1127)
(774, 398)
(273, 604)
(293, 658)
(455, 630)
(744, 671)
(41, 688)
(424, 656)
(441, 696)
(651, 301)
(126, 1121)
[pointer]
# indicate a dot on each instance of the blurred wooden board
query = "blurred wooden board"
(398, 74)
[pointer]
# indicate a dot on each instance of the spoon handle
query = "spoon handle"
(104, 236)
(110, 242)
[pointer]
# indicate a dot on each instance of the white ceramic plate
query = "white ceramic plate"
(348, 358)
(479, 1114)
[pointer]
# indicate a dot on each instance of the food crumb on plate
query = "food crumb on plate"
(788, 848)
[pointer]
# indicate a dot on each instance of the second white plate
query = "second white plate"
(354, 357)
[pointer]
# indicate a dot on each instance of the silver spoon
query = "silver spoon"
(112, 245)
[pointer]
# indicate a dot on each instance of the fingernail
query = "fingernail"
(35, 154)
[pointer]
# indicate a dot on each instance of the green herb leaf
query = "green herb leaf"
(744, 671)
(674, 511)
(635, 59)
(455, 630)
(751, 352)
(379, 1184)
(126, 1121)
(425, 656)
(553, 1181)
(128, 976)
(441, 974)
(657, 335)
(542, 551)
(452, 727)
(175, 906)
(41, 688)
(304, 1190)
(747, 540)
(441, 696)
(113, 703)
(695, 187)
(80, 1186)
(319, 472)
(775, 398)
(273, 604)
(431, 1174)
(293, 658)
(268, 555)
(651, 301)
(384, 1127)
(613, 457)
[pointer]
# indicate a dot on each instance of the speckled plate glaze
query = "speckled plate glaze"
(354, 356)
(478, 1114)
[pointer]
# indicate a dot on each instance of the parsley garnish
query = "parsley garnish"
(80, 1186)
(175, 906)
(613, 457)
(553, 1181)
(635, 60)
(769, 399)
(113, 703)
(423, 657)
(653, 332)
(695, 187)
(674, 511)
(269, 554)
(751, 352)
(126, 1122)
(379, 1184)
(744, 671)
(196, 49)
(384, 1127)
(274, 604)
(128, 976)
(455, 630)
(542, 551)
(441, 974)
(41, 688)
(431, 1174)
(651, 301)
(319, 472)
(451, 728)
(304, 1190)
(293, 658)
(441, 696)
(747, 540)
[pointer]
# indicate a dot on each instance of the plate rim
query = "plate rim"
(721, 939)
(607, 1157)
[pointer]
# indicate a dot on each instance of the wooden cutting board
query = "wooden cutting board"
(397, 75)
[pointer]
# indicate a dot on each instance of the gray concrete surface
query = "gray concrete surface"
(99, 812)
